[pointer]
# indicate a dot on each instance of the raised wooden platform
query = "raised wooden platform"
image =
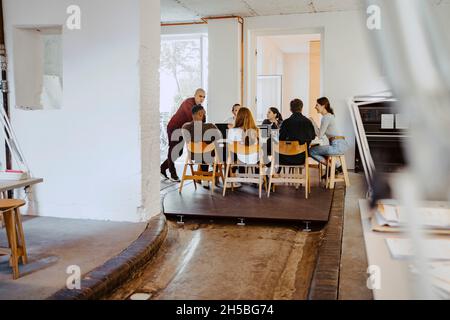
(286, 203)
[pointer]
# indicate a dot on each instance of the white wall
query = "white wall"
(89, 152)
(224, 68)
(348, 65)
(295, 82)
(270, 58)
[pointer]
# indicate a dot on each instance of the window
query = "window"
(38, 67)
(184, 68)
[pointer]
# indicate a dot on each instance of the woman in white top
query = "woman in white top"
(234, 111)
(245, 131)
(338, 145)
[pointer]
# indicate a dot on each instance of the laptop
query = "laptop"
(223, 127)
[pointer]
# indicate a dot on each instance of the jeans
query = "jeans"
(337, 147)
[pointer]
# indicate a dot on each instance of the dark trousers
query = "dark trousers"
(169, 163)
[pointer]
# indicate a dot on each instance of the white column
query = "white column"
(149, 58)
(224, 38)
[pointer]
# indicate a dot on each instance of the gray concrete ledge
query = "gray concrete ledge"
(123, 267)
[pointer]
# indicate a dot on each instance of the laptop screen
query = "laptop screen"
(223, 127)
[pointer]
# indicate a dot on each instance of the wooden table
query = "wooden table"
(8, 185)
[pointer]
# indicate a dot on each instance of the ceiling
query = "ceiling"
(192, 10)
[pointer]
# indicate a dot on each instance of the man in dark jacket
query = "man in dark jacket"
(182, 116)
(296, 128)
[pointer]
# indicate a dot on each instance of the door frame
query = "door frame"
(252, 68)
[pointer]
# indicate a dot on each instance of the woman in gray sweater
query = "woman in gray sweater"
(338, 145)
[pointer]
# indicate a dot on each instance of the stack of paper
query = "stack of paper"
(389, 214)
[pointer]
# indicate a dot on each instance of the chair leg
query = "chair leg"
(192, 173)
(333, 172)
(227, 170)
(270, 179)
(327, 183)
(320, 173)
(21, 237)
(220, 172)
(307, 185)
(344, 170)
(12, 239)
(260, 184)
(183, 177)
(213, 182)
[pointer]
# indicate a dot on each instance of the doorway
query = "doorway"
(288, 66)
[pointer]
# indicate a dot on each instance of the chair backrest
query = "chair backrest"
(291, 148)
(200, 147)
(242, 149)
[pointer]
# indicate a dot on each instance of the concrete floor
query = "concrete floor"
(200, 260)
(353, 276)
(53, 244)
(219, 260)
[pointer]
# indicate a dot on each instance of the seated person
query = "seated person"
(234, 111)
(200, 131)
(274, 118)
(296, 128)
(246, 132)
(328, 127)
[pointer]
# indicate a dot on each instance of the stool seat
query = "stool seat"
(6, 204)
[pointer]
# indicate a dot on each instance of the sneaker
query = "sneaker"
(338, 170)
(205, 184)
(164, 175)
(174, 178)
(235, 185)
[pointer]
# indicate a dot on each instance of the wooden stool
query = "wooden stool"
(14, 231)
(331, 171)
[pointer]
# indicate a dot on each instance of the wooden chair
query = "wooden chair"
(250, 176)
(331, 171)
(294, 175)
(14, 231)
(320, 168)
(201, 148)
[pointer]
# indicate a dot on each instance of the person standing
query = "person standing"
(182, 116)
